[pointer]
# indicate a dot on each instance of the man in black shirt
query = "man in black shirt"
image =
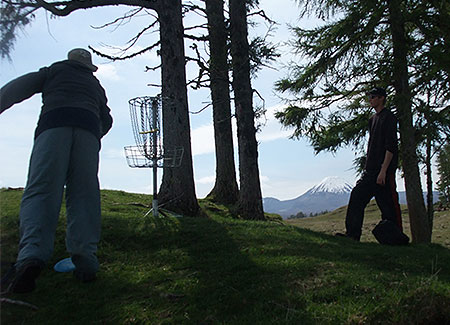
(378, 178)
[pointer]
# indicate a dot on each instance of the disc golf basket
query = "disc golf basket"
(149, 152)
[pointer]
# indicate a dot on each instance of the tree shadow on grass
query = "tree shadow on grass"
(166, 270)
(412, 259)
(231, 288)
(209, 271)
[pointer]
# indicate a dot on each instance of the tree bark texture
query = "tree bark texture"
(177, 192)
(420, 230)
(225, 189)
(250, 198)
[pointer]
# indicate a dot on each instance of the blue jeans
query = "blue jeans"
(64, 156)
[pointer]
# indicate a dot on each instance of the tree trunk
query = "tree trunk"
(225, 189)
(250, 198)
(177, 190)
(420, 230)
(430, 208)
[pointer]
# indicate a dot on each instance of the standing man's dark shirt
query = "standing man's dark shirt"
(382, 137)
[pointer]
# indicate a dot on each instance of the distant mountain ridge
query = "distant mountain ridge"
(330, 194)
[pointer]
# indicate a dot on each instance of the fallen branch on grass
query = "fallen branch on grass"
(18, 302)
(137, 204)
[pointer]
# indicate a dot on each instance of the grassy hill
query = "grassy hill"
(333, 222)
(220, 270)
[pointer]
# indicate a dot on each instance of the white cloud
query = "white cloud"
(203, 136)
(285, 189)
(272, 130)
(203, 140)
(107, 72)
(113, 153)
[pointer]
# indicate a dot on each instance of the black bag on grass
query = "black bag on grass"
(388, 233)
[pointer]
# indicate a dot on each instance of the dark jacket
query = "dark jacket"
(71, 96)
(382, 138)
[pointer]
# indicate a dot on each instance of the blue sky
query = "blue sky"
(288, 167)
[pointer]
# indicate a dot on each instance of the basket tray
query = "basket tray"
(169, 158)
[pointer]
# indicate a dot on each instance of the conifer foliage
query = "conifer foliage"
(401, 45)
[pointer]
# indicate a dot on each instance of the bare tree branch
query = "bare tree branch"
(64, 8)
(195, 8)
(18, 302)
(120, 21)
(202, 26)
(262, 14)
(201, 110)
(147, 68)
(136, 38)
(203, 65)
(121, 58)
(202, 38)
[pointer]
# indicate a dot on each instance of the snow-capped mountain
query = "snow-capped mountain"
(331, 193)
(332, 184)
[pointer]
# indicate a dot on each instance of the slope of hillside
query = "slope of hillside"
(220, 270)
(333, 222)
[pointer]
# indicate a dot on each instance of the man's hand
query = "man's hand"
(381, 179)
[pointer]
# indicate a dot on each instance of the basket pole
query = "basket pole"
(155, 126)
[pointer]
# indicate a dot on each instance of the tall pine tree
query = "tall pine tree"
(370, 43)
(250, 197)
(225, 188)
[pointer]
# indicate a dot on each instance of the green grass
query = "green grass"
(220, 270)
(333, 222)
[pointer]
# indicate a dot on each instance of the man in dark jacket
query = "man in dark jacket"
(74, 117)
(378, 178)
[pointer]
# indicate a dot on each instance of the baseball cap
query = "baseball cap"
(82, 56)
(377, 91)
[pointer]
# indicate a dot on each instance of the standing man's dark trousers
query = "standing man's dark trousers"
(365, 189)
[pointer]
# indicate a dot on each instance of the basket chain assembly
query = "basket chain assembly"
(149, 152)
